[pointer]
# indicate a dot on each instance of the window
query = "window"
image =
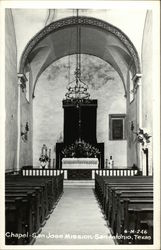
(117, 127)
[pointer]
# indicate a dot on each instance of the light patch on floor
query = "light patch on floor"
(76, 220)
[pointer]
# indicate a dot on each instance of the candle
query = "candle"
(44, 150)
(49, 153)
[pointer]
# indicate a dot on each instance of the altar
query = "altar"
(79, 149)
(80, 163)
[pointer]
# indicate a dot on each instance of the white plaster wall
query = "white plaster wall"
(134, 29)
(147, 82)
(11, 93)
(105, 85)
(11, 104)
(147, 99)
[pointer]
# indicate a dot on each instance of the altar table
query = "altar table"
(80, 163)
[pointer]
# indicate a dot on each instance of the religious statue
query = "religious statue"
(44, 158)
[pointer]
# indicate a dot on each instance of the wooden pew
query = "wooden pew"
(43, 205)
(30, 210)
(132, 195)
(102, 181)
(113, 194)
(52, 188)
(29, 200)
(37, 202)
(14, 220)
(145, 225)
(135, 180)
(110, 201)
(129, 213)
(24, 220)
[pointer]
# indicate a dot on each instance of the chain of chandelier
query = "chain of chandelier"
(79, 90)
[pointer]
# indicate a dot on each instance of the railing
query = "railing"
(101, 172)
(41, 172)
(12, 172)
(117, 172)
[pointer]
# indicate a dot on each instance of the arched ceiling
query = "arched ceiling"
(98, 38)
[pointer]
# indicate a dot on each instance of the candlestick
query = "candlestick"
(53, 163)
(49, 152)
(44, 150)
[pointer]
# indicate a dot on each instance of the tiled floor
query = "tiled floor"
(76, 220)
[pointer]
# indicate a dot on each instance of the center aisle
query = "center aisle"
(76, 220)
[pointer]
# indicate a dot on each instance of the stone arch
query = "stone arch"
(83, 21)
(60, 29)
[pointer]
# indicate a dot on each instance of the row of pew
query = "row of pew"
(127, 203)
(29, 202)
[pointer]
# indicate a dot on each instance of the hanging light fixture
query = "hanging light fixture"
(77, 89)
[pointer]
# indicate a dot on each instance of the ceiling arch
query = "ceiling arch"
(98, 38)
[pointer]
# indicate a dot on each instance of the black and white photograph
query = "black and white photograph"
(80, 101)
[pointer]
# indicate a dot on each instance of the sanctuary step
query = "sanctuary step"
(77, 183)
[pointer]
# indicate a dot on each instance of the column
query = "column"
(140, 152)
(138, 87)
(21, 86)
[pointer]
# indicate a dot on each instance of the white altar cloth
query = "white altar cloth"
(79, 163)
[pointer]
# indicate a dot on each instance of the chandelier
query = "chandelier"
(77, 89)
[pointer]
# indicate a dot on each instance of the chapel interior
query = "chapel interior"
(79, 127)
